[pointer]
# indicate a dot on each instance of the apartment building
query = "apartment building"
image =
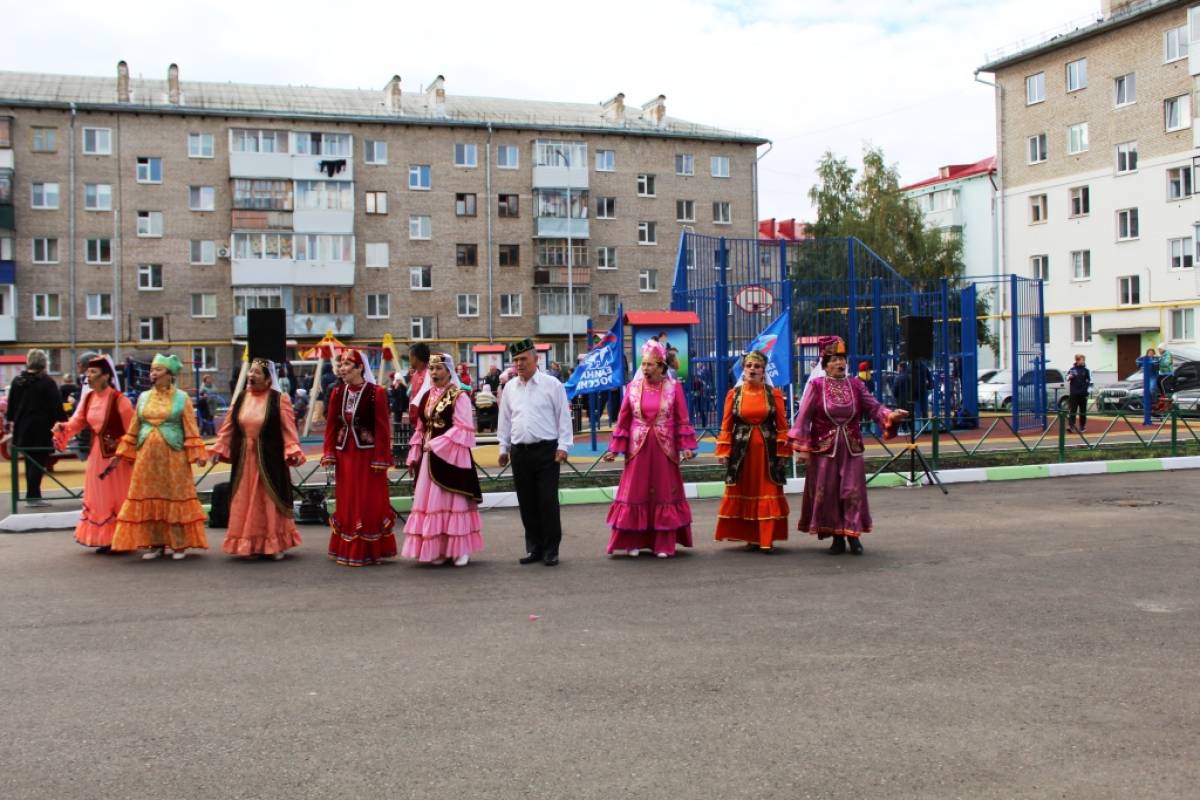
(1097, 143)
(142, 215)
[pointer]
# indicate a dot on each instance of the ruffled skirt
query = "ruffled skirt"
(363, 521)
(161, 509)
(650, 511)
(441, 524)
(754, 509)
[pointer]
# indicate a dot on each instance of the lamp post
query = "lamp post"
(570, 266)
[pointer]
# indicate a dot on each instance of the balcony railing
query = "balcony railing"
(557, 228)
(555, 255)
(557, 276)
(244, 220)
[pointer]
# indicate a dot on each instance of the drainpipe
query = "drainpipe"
(487, 199)
(1000, 242)
(71, 246)
(754, 186)
(116, 253)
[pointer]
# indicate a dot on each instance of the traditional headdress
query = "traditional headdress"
(756, 357)
(170, 362)
(831, 346)
(654, 348)
(446, 360)
(524, 346)
(356, 357)
(104, 363)
(268, 367)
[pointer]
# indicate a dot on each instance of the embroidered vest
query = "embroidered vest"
(171, 429)
(272, 469)
(362, 424)
(112, 428)
(741, 440)
(437, 420)
(663, 433)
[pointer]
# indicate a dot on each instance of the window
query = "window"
(6, 249)
(374, 152)
(46, 306)
(418, 177)
(45, 251)
(99, 306)
(247, 298)
(1035, 88)
(510, 305)
(265, 195)
(509, 255)
(468, 305)
(1077, 138)
(98, 251)
(376, 202)
(1177, 112)
(1037, 148)
(1081, 329)
(325, 195)
(1080, 201)
(464, 204)
(685, 210)
(1183, 324)
(466, 255)
(149, 170)
(1037, 209)
(465, 155)
(685, 164)
(647, 233)
(608, 304)
(720, 166)
(645, 185)
(201, 198)
(606, 208)
(1125, 90)
(271, 245)
(200, 145)
(509, 206)
(1129, 290)
(317, 247)
(508, 156)
(379, 306)
(420, 278)
(1179, 183)
(1127, 224)
(97, 141)
(150, 329)
(420, 327)
(606, 258)
(204, 305)
(45, 140)
(150, 277)
(97, 196)
(1175, 44)
(149, 223)
(258, 141)
(606, 160)
(1040, 267)
(420, 226)
(321, 144)
(1181, 253)
(1077, 75)
(1081, 265)
(202, 252)
(721, 213)
(1127, 157)
(648, 280)
(205, 358)
(377, 254)
(45, 195)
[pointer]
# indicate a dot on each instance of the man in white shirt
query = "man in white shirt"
(535, 431)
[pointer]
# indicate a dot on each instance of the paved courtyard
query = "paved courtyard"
(1024, 639)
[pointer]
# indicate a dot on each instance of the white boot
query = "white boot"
(152, 554)
(178, 555)
(634, 552)
(277, 556)
(462, 560)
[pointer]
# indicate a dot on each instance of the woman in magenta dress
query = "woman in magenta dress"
(827, 435)
(358, 444)
(444, 522)
(653, 432)
(108, 413)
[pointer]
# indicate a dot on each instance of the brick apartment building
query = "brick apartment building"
(149, 215)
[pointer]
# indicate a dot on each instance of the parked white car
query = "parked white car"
(997, 391)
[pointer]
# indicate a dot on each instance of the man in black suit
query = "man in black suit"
(34, 405)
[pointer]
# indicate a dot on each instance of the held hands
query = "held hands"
(609, 456)
(202, 462)
(296, 460)
(687, 455)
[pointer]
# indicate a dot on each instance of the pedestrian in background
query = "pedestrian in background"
(1079, 380)
(34, 406)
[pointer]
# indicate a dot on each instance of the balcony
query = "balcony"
(288, 272)
(557, 276)
(287, 165)
(8, 274)
(556, 228)
(561, 177)
(8, 322)
(313, 325)
(323, 220)
(247, 220)
(555, 255)
(7, 219)
(945, 218)
(560, 324)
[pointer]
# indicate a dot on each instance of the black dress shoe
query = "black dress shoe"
(856, 546)
(551, 560)
(530, 558)
(838, 547)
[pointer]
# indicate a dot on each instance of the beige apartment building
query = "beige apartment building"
(150, 215)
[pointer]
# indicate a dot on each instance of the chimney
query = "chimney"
(614, 108)
(435, 96)
(391, 95)
(173, 84)
(1109, 8)
(122, 82)
(656, 110)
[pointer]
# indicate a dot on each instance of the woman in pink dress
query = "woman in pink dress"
(444, 522)
(259, 438)
(107, 413)
(653, 432)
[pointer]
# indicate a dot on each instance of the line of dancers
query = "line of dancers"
(139, 493)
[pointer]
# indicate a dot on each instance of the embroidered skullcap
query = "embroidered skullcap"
(169, 362)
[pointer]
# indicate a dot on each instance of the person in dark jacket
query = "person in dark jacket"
(34, 405)
(1079, 379)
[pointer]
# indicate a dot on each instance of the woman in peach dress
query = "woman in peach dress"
(259, 438)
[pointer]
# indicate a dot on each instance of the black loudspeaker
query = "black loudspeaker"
(266, 333)
(917, 336)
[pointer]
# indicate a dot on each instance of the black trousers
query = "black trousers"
(1077, 409)
(34, 461)
(535, 474)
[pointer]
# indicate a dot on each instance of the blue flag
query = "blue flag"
(775, 343)
(603, 368)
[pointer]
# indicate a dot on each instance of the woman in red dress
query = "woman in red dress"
(358, 443)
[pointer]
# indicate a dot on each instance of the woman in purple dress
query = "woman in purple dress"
(827, 435)
(653, 433)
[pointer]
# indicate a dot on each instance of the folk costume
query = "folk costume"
(753, 439)
(650, 511)
(358, 443)
(259, 438)
(444, 521)
(107, 413)
(828, 429)
(163, 440)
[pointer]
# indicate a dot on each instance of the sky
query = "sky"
(810, 75)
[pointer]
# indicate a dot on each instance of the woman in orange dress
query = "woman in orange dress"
(754, 450)
(107, 413)
(259, 438)
(161, 509)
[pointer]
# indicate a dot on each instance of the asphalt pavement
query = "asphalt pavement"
(1012, 640)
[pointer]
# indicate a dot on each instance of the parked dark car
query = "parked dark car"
(1126, 395)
